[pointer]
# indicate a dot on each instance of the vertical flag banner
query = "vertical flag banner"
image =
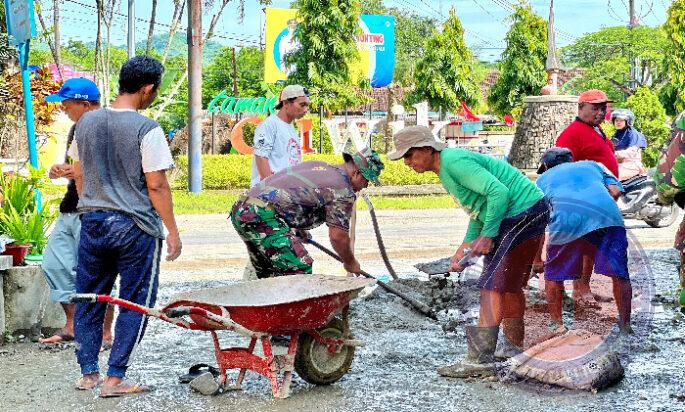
(376, 44)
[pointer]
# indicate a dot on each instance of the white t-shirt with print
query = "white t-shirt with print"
(277, 141)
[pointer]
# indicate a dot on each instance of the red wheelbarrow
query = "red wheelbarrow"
(302, 307)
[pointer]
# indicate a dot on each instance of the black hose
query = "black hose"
(379, 238)
(419, 306)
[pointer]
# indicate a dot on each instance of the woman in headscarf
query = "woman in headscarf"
(628, 144)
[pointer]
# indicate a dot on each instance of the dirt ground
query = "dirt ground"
(395, 371)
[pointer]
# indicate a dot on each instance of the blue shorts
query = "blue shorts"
(607, 246)
(59, 257)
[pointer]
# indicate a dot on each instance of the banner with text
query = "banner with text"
(376, 44)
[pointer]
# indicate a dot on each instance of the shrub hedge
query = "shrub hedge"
(223, 172)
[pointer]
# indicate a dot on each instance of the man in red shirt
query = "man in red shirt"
(587, 141)
(584, 137)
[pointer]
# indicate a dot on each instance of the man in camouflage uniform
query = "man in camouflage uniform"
(272, 218)
(671, 182)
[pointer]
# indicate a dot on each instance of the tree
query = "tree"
(54, 47)
(173, 90)
(151, 30)
(179, 8)
(327, 32)
(606, 56)
(675, 57)
(444, 75)
(218, 74)
(650, 119)
(522, 67)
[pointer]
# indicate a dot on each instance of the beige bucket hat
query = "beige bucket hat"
(413, 136)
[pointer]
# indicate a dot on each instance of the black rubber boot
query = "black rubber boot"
(480, 361)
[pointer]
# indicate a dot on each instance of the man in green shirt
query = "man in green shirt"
(508, 219)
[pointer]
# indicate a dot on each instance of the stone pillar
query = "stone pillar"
(26, 296)
(542, 120)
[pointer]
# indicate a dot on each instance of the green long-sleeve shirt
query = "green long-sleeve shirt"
(488, 189)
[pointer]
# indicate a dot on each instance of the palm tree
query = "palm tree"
(151, 32)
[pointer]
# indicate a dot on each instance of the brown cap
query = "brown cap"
(413, 136)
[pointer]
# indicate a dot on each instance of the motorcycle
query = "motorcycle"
(640, 201)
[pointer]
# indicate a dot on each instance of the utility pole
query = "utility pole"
(631, 11)
(195, 96)
(131, 36)
(234, 68)
(633, 61)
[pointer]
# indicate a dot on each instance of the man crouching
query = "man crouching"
(273, 217)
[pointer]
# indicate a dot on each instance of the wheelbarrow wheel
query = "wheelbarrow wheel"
(315, 364)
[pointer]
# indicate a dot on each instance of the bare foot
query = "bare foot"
(118, 387)
(87, 382)
(61, 336)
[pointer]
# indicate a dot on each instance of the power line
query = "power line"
(432, 8)
(508, 7)
(487, 11)
(225, 36)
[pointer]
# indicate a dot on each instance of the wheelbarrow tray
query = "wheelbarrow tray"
(287, 305)
(279, 305)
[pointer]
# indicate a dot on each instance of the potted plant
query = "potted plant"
(20, 218)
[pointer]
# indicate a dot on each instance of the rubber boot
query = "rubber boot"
(511, 342)
(480, 361)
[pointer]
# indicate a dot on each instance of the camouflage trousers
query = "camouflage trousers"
(273, 247)
(679, 244)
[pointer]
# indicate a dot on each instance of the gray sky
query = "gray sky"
(484, 20)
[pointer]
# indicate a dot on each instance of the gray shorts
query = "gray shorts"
(59, 257)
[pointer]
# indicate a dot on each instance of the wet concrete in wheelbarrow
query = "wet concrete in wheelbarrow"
(394, 372)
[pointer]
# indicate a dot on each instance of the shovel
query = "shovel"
(419, 306)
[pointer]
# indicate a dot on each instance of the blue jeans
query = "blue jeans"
(111, 244)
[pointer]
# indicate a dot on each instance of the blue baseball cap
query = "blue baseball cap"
(78, 88)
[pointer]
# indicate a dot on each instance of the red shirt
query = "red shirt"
(588, 143)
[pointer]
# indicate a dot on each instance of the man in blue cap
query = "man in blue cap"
(76, 96)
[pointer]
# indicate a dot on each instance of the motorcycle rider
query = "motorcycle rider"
(628, 144)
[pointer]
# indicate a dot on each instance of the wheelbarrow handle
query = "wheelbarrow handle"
(177, 312)
(83, 298)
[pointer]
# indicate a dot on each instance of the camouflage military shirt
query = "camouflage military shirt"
(308, 195)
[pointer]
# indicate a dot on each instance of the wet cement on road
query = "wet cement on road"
(394, 372)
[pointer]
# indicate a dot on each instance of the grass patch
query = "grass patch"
(207, 202)
(409, 202)
(220, 202)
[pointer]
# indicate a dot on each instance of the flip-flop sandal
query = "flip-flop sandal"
(122, 389)
(86, 384)
(197, 370)
(63, 337)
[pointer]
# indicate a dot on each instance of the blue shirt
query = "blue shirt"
(628, 137)
(580, 200)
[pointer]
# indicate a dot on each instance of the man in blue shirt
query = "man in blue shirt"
(585, 220)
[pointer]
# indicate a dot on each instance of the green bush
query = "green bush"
(248, 133)
(499, 128)
(223, 172)
(327, 145)
(651, 120)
